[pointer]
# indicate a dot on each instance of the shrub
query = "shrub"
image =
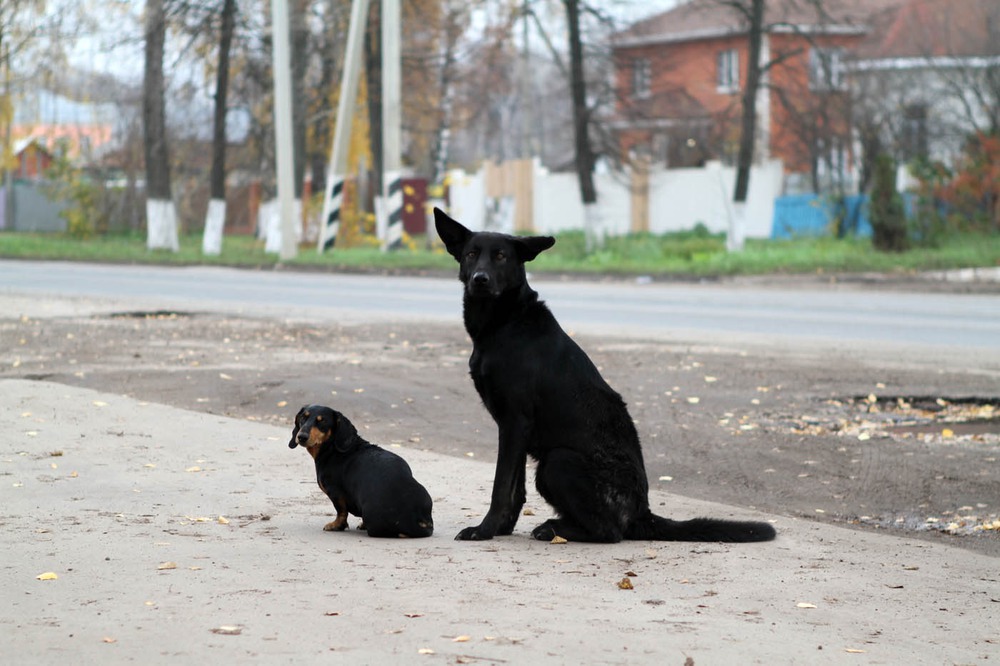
(888, 219)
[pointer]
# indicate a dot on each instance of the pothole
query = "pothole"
(149, 314)
(927, 418)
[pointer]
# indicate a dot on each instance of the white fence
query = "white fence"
(678, 199)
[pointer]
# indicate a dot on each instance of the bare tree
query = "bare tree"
(215, 217)
(584, 154)
(161, 215)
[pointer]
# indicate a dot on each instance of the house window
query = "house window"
(641, 77)
(727, 71)
(914, 131)
(826, 69)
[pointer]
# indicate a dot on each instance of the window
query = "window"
(641, 77)
(826, 69)
(727, 71)
(914, 131)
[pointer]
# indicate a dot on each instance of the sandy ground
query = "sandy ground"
(174, 534)
(901, 439)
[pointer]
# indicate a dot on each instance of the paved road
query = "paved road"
(814, 312)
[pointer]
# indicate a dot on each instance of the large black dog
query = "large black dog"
(361, 478)
(550, 402)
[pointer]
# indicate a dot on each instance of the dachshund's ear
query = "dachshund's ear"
(293, 442)
(345, 435)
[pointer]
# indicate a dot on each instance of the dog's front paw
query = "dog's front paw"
(337, 525)
(473, 534)
(544, 532)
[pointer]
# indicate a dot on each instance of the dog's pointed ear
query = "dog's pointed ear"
(452, 233)
(529, 247)
(345, 435)
(293, 442)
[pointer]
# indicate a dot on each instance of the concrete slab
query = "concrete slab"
(179, 536)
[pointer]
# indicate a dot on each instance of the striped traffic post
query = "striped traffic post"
(332, 199)
(394, 210)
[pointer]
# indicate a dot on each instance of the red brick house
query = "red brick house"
(680, 74)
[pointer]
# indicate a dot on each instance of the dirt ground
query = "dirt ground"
(881, 442)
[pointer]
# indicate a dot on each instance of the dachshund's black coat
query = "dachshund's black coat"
(361, 478)
(550, 402)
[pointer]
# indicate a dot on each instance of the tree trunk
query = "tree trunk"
(373, 83)
(748, 132)
(581, 124)
(161, 216)
(446, 87)
(297, 13)
(215, 218)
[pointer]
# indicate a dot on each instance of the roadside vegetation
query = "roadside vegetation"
(695, 253)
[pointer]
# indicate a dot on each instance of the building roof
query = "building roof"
(891, 28)
(934, 29)
(698, 19)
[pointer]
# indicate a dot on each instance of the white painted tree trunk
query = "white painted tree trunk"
(161, 225)
(736, 237)
(593, 227)
(215, 220)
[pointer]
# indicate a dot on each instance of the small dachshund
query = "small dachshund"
(362, 478)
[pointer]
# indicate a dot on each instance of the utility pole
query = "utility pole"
(337, 169)
(392, 177)
(283, 147)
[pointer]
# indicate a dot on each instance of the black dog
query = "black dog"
(361, 478)
(550, 401)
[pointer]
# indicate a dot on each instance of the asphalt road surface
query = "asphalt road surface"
(809, 312)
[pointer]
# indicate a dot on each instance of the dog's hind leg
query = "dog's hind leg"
(565, 481)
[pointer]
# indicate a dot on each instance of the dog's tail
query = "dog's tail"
(656, 528)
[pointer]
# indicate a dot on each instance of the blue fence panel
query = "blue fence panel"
(809, 215)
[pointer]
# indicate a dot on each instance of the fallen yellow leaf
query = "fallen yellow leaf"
(947, 433)
(461, 639)
(48, 575)
(853, 651)
(558, 539)
(805, 605)
(167, 565)
(194, 468)
(625, 584)
(425, 651)
(223, 520)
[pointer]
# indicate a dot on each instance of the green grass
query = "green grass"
(696, 254)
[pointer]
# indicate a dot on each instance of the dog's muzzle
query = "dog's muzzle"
(480, 284)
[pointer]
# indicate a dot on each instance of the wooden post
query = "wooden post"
(640, 194)
(522, 187)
